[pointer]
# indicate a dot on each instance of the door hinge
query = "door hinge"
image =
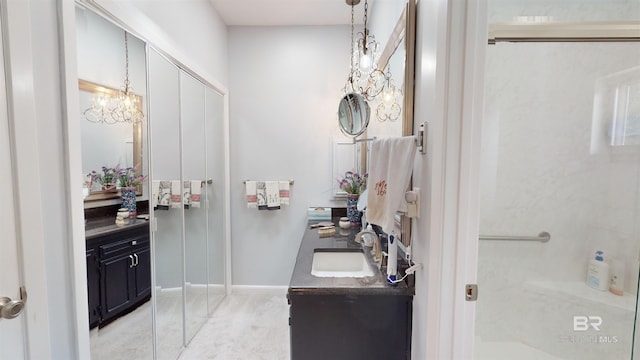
(471, 292)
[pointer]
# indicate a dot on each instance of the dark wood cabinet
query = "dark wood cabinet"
(118, 273)
(350, 326)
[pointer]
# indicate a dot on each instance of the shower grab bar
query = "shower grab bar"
(542, 237)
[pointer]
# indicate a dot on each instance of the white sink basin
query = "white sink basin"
(337, 263)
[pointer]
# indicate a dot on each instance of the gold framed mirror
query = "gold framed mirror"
(107, 144)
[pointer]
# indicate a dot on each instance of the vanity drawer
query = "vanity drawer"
(123, 246)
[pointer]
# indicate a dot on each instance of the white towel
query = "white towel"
(250, 189)
(196, 191)
(176, 194)
(284, 192)
(155, 191)
(389, 176)
(186, 193)
(261, 195)
(164, 199)
(273, 195)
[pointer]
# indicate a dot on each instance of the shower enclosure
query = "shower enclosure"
(560, 154)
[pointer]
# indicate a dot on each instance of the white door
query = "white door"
(12, 342)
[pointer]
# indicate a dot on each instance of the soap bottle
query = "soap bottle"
(598, 272)
(617, 277)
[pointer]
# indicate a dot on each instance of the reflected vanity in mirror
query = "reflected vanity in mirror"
(105, 142)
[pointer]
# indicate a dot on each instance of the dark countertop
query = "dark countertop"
(107, 225)
(303, 283)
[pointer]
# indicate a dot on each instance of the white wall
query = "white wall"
(285, 85)
(190, 31)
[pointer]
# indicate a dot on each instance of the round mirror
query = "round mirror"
(353, 114)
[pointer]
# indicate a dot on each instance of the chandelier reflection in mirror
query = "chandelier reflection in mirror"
(389, 106)
(123, 107)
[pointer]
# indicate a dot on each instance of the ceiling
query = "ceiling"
(287, 12)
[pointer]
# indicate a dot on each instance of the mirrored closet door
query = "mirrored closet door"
(188, 166)
(181, 146)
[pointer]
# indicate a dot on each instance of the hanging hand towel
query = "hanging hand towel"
(176, 194)
(273, 195)
(284, 192)
(252, 198)
(196, 190)
(389, 176)
(155, 193)
(164, 200)
(261, 195)
(186, 193)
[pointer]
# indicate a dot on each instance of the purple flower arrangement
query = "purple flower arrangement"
(123, 177)
(353, 182)
(127, 177)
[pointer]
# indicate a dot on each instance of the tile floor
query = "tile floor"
(244, 326)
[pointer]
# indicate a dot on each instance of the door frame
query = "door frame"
(30, 237)
(450, 50)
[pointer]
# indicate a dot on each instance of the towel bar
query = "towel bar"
(420, 138)
(290, 182)
(542, 237)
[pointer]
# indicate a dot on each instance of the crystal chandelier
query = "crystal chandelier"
(121, 108)
(364, 76)
(389, 107)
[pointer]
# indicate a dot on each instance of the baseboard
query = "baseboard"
(259, 290)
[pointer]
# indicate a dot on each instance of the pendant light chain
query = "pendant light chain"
(351, 39)
(126, 64)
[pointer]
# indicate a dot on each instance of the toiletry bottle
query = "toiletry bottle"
(598, 272)
(617, 277)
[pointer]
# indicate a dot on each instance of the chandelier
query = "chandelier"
(389, 107)
(364, 76)
(123, 107)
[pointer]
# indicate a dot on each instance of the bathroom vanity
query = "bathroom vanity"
(346, 317)
(118, 268)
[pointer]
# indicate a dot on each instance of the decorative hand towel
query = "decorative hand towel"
(389, 176)
(164, 200)
(196, 191)
(252, 199)
(186, 193)
(284, 192)
(261, 195)
(176, 194)
(155, 193)
(273, 195)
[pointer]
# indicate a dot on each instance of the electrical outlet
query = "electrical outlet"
(413, 205)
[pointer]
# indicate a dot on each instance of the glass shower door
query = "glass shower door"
(550, 163)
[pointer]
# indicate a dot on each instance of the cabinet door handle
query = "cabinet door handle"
(137, 261)
(132, 264)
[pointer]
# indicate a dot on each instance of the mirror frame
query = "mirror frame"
(97, 89)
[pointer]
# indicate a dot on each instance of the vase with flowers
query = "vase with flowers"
(129, 181)
(353, 183)
(106, 178)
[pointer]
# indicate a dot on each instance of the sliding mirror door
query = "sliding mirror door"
(120, 315)
(194, 150)
(215, 192)
(164, 111)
